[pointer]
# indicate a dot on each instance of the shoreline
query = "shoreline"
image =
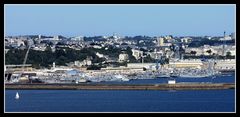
(180, 86)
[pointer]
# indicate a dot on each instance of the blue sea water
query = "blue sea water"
(125, 100)
(120, 101)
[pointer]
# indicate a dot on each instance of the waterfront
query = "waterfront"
(120, 101)
(122, 61)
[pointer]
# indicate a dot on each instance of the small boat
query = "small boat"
(163, 76)
(125, 79)
(172, 81)
(174, 75)
(120, 78)
(17, 96)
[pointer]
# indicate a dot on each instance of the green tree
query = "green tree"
(209, 51)
(228, 55)
(193, 53)
(131, 58)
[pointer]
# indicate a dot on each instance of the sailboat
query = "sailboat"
(17, 96)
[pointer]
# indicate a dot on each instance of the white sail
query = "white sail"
(17, 96)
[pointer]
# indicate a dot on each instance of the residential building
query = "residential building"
(137, 53)
(123, 57)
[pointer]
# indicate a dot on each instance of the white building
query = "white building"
(226, 65)
(99, 55)
(39, 36)
(193, 63)
(226, 38)
(186, 40)
(83, 63)
(137, 53)
(97, 46)
(122, 57)
(160, 41)
(56, 37)
(214, 50)
(156, 54)
(78, 38)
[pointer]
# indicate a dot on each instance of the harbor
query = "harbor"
(148, 58)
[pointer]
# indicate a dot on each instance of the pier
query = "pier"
(177, 86)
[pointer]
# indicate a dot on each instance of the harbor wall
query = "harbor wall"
(195, 86)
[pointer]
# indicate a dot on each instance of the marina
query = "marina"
(73, 75)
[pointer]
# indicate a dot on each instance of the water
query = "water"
(120, 101)
(125, 100)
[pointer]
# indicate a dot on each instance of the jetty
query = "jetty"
(177, 86)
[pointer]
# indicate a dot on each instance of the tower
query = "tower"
(39, 36)
(224, 42)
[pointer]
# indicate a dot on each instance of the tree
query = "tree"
(209, 51)
(61, 60)
(48, 49)
(172, 47)
(193, 53)
(228, 54)
(148, 59)
(130, 56)
(142, 49)
(181, 51)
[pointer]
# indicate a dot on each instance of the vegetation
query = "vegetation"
(131, 58)
(204, 41)
(46, 58)
(209, 51)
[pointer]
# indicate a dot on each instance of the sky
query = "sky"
(124, 20)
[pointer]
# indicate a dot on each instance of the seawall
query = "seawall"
(187, 86)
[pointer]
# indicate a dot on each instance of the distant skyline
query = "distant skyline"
(125, 20)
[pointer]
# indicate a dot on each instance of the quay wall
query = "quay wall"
(119, 86)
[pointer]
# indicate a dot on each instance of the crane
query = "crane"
(25, 59)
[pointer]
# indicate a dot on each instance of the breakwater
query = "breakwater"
(177, 86)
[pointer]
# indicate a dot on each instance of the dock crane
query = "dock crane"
(24, 62)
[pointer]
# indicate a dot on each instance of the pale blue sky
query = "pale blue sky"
(125, 20)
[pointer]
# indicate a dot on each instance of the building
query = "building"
(78, 38)
(226, 65)
(233, 35)
(123, 57)
(160, 41)
(215, 50)
(97, 46)
(137, 53)
(186, 40)
(99, 55)
(226, 38)
(140, 65)
(39, 36)
(83, 63)
(193, 63)
(56, 37)
(156, 54)
(30, 42)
